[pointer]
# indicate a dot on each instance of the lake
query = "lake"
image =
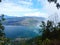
(20, 31)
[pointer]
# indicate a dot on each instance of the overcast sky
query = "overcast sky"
(39, 8)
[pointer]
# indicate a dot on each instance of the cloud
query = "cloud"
(25, 2)
(49, 8)
(37, 14)
(11, 8)
(58, 1)
(20, 8)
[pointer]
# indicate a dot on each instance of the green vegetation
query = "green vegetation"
(56, 2)
(50, 30)
(50, 34)
(3, 39)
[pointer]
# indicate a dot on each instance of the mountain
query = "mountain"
(6, 16)
(23, 21)
(23, 26)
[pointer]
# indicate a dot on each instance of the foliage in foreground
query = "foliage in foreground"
(50, 30)
(50, 34)
(3, 39)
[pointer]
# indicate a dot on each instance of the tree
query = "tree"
(0, 0)
(55, 1)
(1, 26)
(3, 39)
(47, 28)
(50, 31)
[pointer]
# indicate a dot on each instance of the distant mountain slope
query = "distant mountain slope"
(23, 21)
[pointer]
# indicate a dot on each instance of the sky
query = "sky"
(19, 8)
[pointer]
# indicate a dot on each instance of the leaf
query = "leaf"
(58, 5)
(55, 1)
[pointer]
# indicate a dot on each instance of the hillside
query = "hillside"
(23, 21)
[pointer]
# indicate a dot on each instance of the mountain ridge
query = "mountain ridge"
(23, 21)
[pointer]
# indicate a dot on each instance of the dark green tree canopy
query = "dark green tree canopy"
(0, 0)
(1, 25)
(50, 31)
(55, 1)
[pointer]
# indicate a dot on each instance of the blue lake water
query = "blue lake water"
(20, 31)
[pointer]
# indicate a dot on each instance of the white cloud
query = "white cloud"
(13, 9)
(38, 14)
(25, 3)
(49, 8)
(58, 1)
